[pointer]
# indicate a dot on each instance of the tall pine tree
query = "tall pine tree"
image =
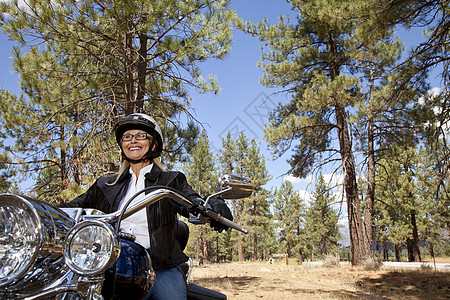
(289, 214)
(322, 230)
(202, 175)
(313, 61)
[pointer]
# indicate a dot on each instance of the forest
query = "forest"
(357, 101)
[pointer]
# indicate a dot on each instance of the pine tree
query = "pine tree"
(343, 81)
(398, 205)
(5, 160)
(431, 53)
(5, 175)
(289, 214)
(202, 175)
(89, 63)
(322, 230)
(433, 16)
(313, 62)
(384, 115)
(229, 161)
(256, 212)
(433, 192)
(238, 157)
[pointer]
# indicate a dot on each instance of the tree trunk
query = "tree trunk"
(255, 247)
(255, 236)
(200, 242)
(142, 71)
(377, 248)
(415, 247)
(205, 246)
(448, 228)
(63, 163)
(217, 249)
(300, 255)
(128, 76)
(368, 210)
(323, 248)
(240, 250)
(358, 243)
(288, 248)
(237, 210)
(385, 251)
(397, 252)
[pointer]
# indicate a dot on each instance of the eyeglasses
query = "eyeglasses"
(138, 136)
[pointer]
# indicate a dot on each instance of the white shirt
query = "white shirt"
(136, 224)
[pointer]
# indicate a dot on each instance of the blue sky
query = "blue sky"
(242, 105)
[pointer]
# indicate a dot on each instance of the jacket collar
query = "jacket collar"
(154, 173)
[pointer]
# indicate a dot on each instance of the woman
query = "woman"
(141, 142)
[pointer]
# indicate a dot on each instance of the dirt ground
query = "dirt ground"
(261, 280)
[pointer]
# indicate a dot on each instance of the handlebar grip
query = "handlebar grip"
(217, 217)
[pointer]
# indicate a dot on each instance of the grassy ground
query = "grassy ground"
(260, 280)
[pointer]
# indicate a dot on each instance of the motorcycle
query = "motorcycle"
(48, 252)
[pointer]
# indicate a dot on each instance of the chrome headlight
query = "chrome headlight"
(19, 240)
(91, 247)
(32, 233)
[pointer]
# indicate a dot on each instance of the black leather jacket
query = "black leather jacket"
(166, 252)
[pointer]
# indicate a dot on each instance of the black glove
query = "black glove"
(219, 206)
(198, 203)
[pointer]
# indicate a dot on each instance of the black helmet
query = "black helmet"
(145, 123)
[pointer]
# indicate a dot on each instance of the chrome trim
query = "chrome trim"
(70, 288)
(24, 204)
(147, 200)
(226, 189)
(65, 283)
(240, 187)
(191, 267)
(52, 226)
(155, 196)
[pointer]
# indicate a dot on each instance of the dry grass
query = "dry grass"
(253, 280)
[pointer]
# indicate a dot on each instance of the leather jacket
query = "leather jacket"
(165, 251)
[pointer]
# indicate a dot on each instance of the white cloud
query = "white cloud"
(304, 195)
(292, 179)
(434, 92)
(333, 180)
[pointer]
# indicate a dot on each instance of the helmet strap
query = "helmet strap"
(136, 161)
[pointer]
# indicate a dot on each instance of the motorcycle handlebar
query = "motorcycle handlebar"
(158, 194)
(217, 217)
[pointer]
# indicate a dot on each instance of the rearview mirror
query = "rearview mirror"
(235, 187)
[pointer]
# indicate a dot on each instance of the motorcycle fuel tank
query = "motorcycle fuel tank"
(132, 275)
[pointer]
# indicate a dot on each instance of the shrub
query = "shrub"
(331, 260)
(372, 263)
(426, 267)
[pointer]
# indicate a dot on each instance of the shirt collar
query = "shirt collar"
(143, 171)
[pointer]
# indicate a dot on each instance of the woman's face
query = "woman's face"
(135, 149)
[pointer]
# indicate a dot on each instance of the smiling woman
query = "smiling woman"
(136, 145)
(141, 142)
